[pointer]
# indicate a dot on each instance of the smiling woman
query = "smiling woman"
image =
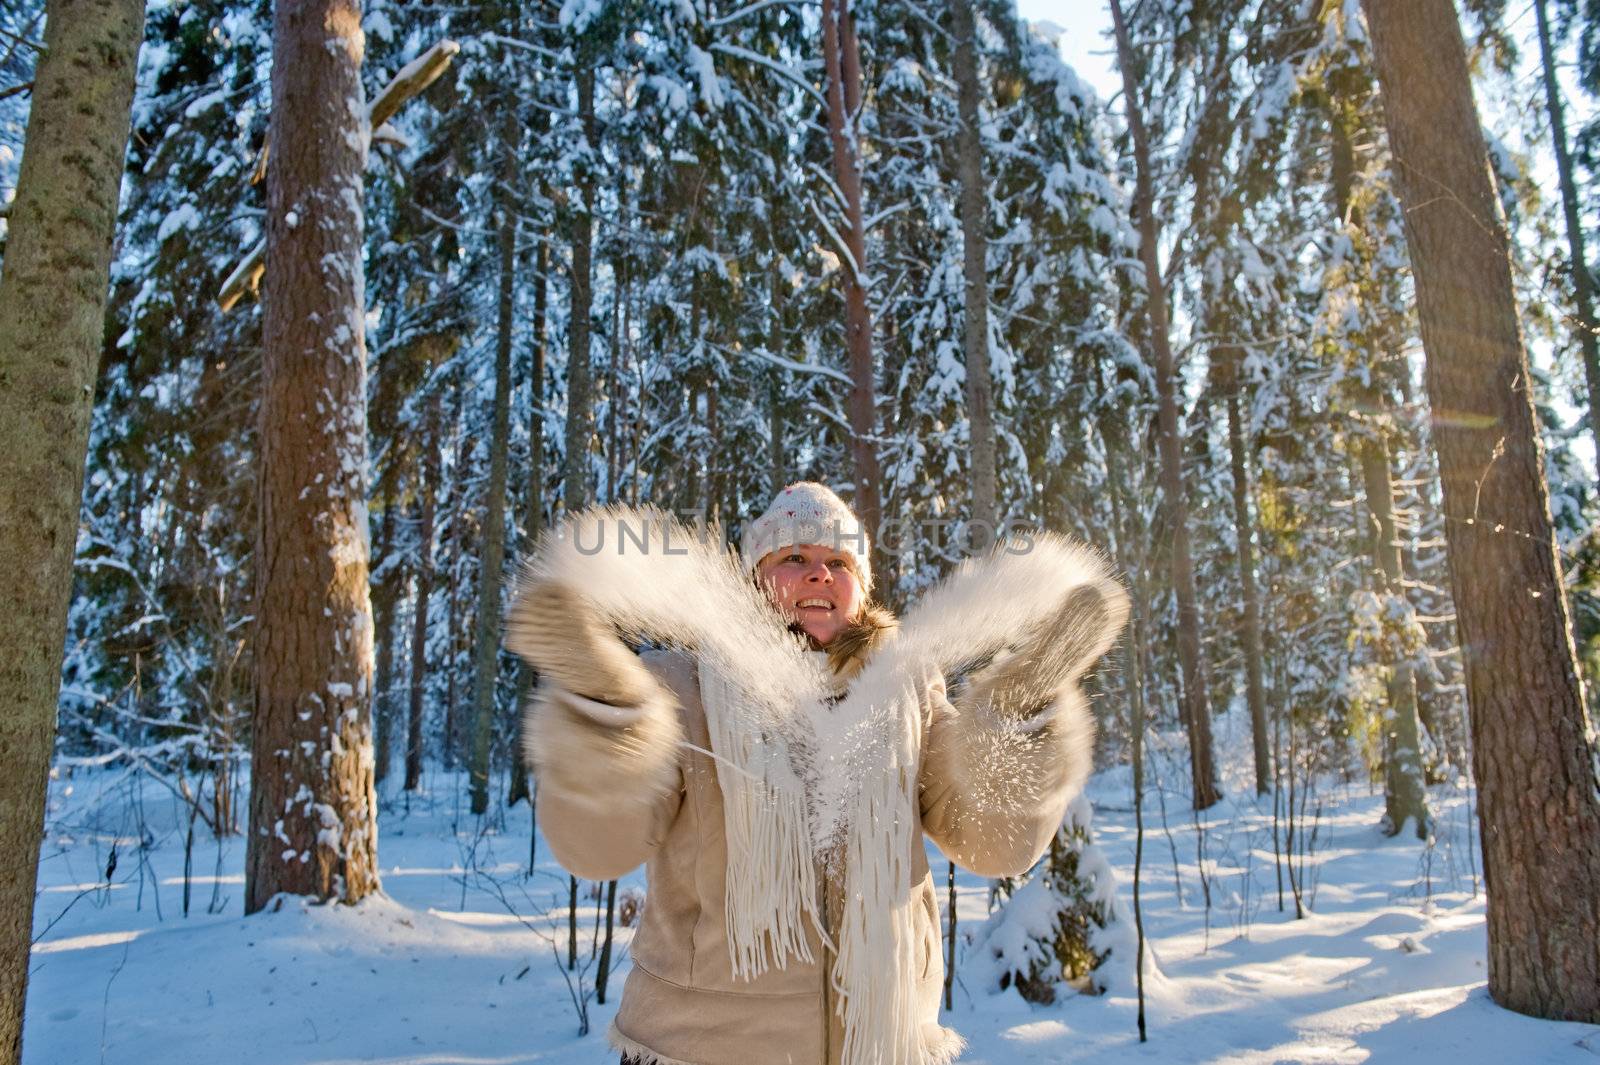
(779, 789)
(804, 550)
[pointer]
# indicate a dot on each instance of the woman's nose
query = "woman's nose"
(820, 573)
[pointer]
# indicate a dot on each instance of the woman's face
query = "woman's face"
(815, 587)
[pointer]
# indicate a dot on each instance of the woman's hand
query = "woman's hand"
(559, 633)
(1022, 680)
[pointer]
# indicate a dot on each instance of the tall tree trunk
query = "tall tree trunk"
(575, 493)
(841, 57)
(713, 485)
(52, 317)
(429, 490)
(1533, 745)
(1196, 701)
(1404, 793)
(313, 809)
(778, 429)
(533, 503)
(486, 647)
(1255, 693)
(602, 973)
(614, 386)
(975, 268)
(452, 567)
(1582, 279)
(1404, 784)
(384, 598)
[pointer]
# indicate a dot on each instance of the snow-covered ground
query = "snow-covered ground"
(463, 961)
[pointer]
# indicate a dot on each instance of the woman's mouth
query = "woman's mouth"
(814, 604)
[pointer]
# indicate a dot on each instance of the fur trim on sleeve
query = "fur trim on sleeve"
(598, 765)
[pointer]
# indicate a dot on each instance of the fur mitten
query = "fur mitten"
(1024, 679)
(556, 630)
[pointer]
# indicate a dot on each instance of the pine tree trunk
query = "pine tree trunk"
(486, 647)
(778, 429)
(533, 503)
(602, 975)
(383, 615)
(579, 371)
(313, 810)
(419, 622)
(841, 59)
(1582, 280)
(1255, 692)
(975, 269)
(1404, 794)
(1196, 700)
(456, 502)
(614, 386)
(1533, 744)
(52, 312)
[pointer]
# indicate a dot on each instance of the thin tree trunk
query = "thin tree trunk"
(572, 922)
(975, 270)
(1404, 784)
(383, 614)
(313, 809)
(1582, 280)
(614, 386)
(428, 490)
(602, 973)
(52, 311)
(1196, 701)
(486, 647)
(778, 440)
(713, 484)
(579, 371)
(1255, 693)
(1533, 743)
(457, 497)
(842, 70)
(522, 785)
(1404, 794)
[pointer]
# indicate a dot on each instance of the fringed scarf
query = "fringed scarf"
(845, 790)
(803, 773)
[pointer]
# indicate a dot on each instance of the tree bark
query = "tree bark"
(313, 810)
(975, 268)
(486, 649)
(841, 57)
(52, 313)
(533, 503)
(575, 492)
(1255, 692)
(1404, 793)
(383, 600)
(429, 490)
(1196, 700)
(1582, 280)
(1533, 744)
(778, 431)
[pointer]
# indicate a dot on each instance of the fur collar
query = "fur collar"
(849, 651)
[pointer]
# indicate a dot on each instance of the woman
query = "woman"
(777, 788)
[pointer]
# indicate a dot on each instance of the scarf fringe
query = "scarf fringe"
(877, 958)
(771, 880)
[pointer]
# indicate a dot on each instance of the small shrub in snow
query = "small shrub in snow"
(1060, 927)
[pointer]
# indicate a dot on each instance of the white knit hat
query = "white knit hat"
(809, 513)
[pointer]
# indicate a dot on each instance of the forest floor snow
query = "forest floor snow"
(462, 961)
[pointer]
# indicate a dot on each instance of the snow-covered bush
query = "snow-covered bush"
(1061, 926)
